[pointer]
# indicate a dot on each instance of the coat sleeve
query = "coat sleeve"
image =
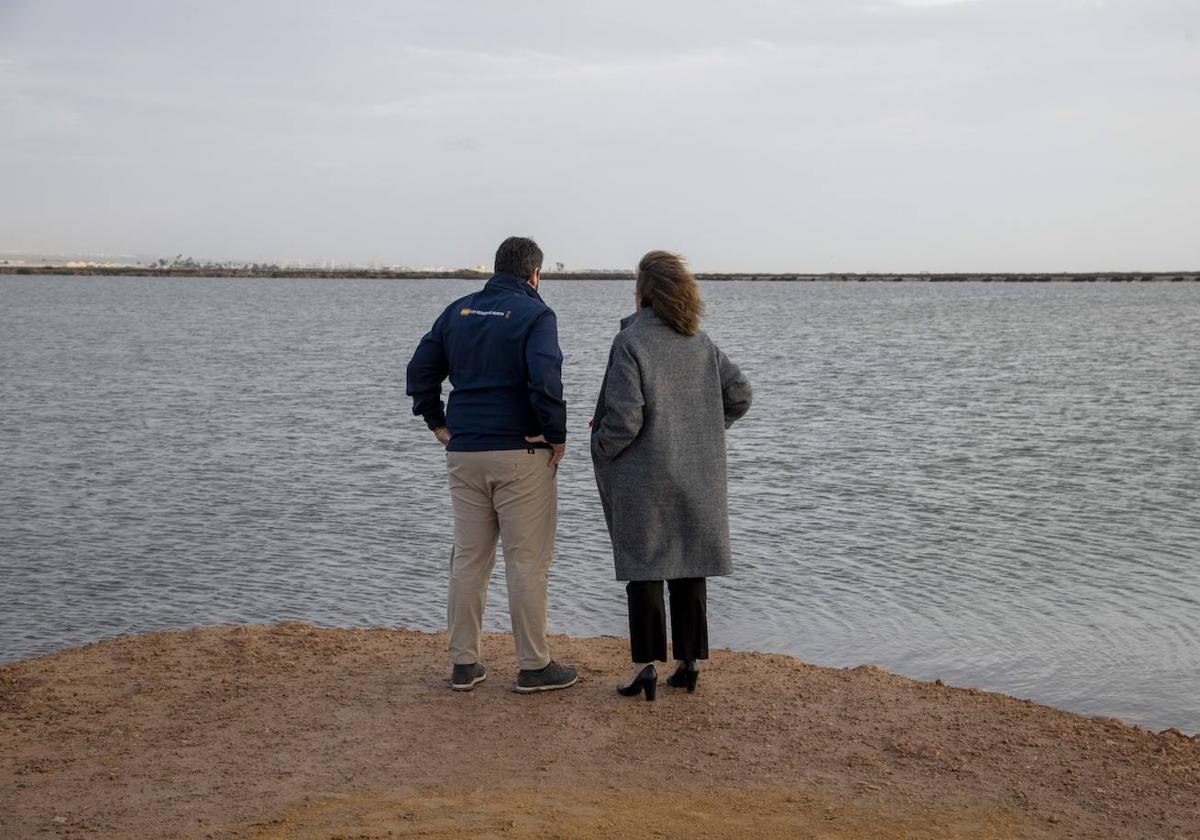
(735, 390)
(426, 372)
(623, 404)
(543, 370)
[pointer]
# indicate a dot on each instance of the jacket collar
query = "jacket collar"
(640, 315)
(512, 283)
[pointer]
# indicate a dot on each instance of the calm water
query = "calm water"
(998, 485)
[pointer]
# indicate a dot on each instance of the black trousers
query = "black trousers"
(648, 619)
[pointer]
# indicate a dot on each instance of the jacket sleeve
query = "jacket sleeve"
(623, 403)
(735, 390)
(543, 372)
(426, 371)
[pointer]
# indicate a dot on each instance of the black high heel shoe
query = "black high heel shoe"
(685, 676)
(646, 680)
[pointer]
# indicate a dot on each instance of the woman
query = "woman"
(658, 446)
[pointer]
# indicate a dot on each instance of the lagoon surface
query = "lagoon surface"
(994, 484)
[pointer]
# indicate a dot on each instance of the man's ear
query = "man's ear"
(535, 279)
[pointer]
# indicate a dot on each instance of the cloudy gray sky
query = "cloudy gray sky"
(811, 135)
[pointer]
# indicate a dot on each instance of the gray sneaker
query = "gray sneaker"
(466, 677)
(552, 677)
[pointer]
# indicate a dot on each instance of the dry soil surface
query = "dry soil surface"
(289, 731)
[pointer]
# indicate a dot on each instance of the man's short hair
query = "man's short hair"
(518, 255)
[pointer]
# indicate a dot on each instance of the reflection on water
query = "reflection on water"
(993, 484)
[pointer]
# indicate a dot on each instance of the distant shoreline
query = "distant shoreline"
(469, 274)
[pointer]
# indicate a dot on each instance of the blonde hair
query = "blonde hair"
(665, 284)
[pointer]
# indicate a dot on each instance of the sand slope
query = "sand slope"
(288, 731)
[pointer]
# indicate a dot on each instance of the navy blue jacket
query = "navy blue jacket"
(499, 347)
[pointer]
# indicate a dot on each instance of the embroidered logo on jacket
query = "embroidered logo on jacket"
(466, 312)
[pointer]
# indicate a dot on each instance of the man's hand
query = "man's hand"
(443, 435)
(557, 450)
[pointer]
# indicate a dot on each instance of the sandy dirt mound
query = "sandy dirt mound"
(288, 731)
(584, 812)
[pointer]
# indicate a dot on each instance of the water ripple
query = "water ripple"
(993, 484)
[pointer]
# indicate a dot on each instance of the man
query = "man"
(505, 433)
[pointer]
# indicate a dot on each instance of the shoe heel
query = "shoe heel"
(646, 681)
(691, 677)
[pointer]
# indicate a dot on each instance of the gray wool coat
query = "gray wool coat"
(658, 447)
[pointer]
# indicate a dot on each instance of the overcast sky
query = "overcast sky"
(809, 136)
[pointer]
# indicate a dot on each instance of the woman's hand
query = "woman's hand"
(557, 450)
(443, 435)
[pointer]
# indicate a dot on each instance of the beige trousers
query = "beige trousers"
(510, 495)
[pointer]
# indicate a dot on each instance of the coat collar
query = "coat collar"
(512, 283)
(642, 314)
